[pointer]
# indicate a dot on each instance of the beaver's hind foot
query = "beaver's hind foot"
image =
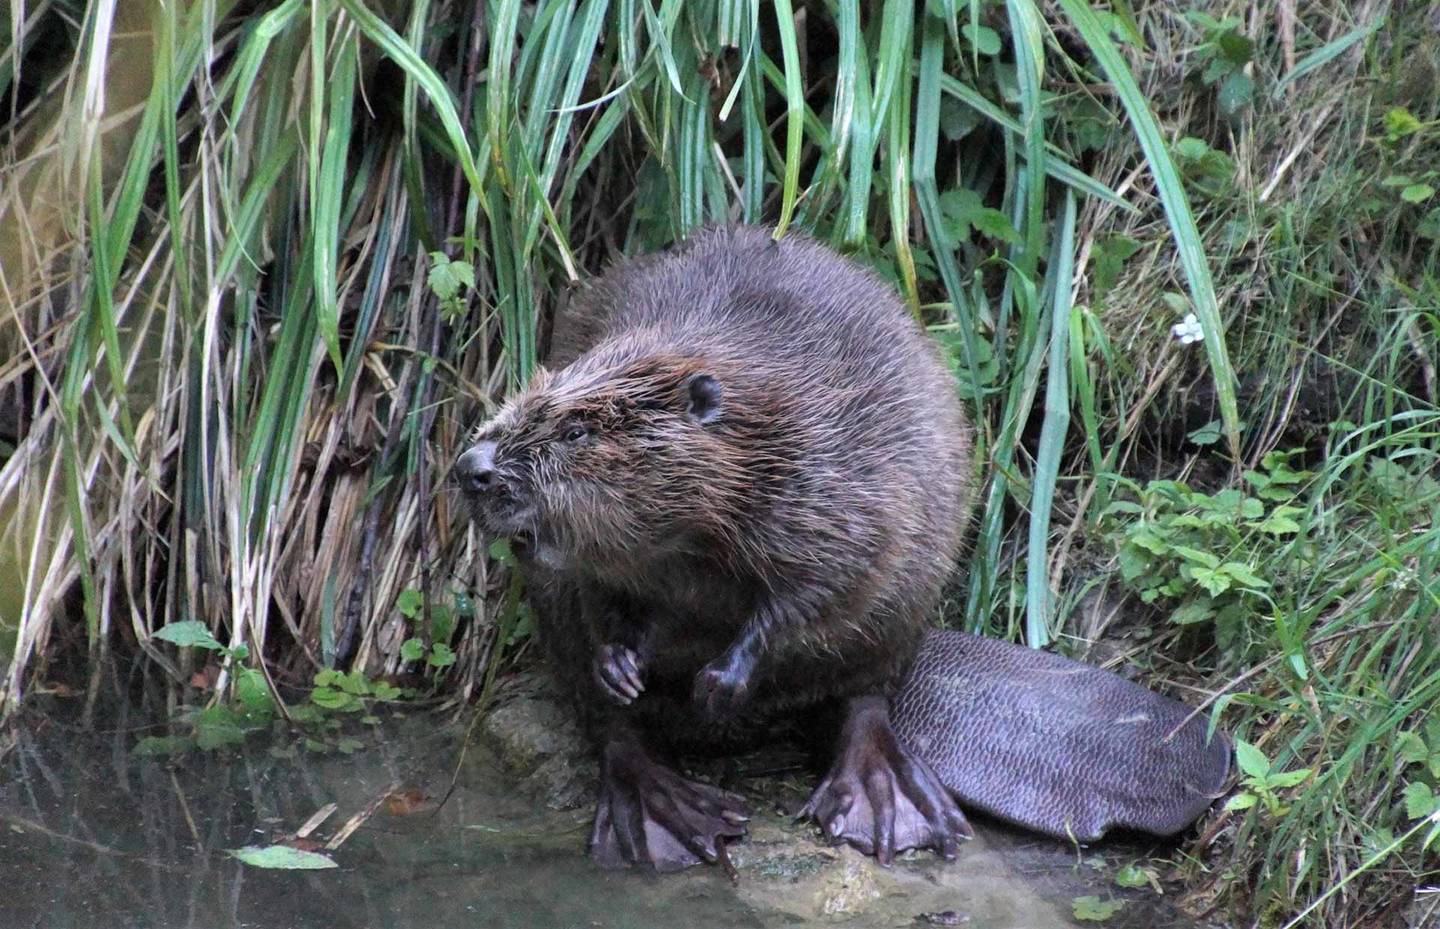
(880, 797)
(649, 814)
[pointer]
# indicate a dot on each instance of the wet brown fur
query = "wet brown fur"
(821, 508)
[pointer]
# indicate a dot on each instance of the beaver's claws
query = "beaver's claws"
(723, 685)
(618, 672)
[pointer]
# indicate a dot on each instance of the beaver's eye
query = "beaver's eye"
(576, 433)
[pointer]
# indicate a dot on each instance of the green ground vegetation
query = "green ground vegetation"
(263, 263)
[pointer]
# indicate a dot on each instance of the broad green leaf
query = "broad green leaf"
(447, 278)
(1196, 556)
(985, 40)
(995, 224)
(189, 633)
(409, 603)
(1250, 759)
(1243, 574)
(355, 683)
(1411, 748)
(252, 691)
(1241, 801)
(1417, 193)
(332, 699)
(1208, 434)
(1132, 875)
(1093, 909)
(282, 858)
(1134, 563)
(501, 552)
(1214, 582)
(1148, 540)
(1420, 800)
(1236, 92)
(1278, 524)
(1196, 611)
(1288, 779)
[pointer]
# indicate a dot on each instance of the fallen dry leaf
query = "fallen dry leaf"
(405, 802)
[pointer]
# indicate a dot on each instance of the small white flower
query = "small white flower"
(1188, 330)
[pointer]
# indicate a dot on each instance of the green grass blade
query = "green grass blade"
(927, 198)
(794, 112)
(328, 191)
(1026, 34)
(1039, 619)
(379, 32)
(1055, 165)
(847, 77)
(1177, 210)
(863, 140)
(1328, 53)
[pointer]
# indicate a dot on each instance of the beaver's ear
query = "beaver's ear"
(703, 395)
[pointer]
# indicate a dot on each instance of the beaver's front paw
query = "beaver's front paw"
(617, 671)
(723, 685)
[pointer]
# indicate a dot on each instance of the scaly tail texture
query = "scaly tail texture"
(1054, 745)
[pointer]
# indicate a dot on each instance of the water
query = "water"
(92, 836)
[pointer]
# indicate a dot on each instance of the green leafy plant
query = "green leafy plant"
(1401, 124)
(443, 616)
(1416, 189)
(251, 707)
(1414, 749)
(1133, 876)
(1208, 171)
(1092, 909)
(193, 634)
(341, 692)
(451, 280)
(1111, 254)
(1202, 554)
(1262, 784)
(966, 214)
(1420, 756)
(1225, 52)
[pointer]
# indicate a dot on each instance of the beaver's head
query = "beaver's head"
(616, 456)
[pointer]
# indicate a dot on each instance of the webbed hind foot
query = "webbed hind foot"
(879, 796)
(650, 814)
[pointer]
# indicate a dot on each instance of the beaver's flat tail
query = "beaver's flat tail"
(1054, 745)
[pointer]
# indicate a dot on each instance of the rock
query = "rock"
(784, 867)
(535, 739)
(849, 890)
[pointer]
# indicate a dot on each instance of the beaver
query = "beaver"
(737, 492)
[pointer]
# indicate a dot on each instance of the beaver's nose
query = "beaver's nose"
(475, 469)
